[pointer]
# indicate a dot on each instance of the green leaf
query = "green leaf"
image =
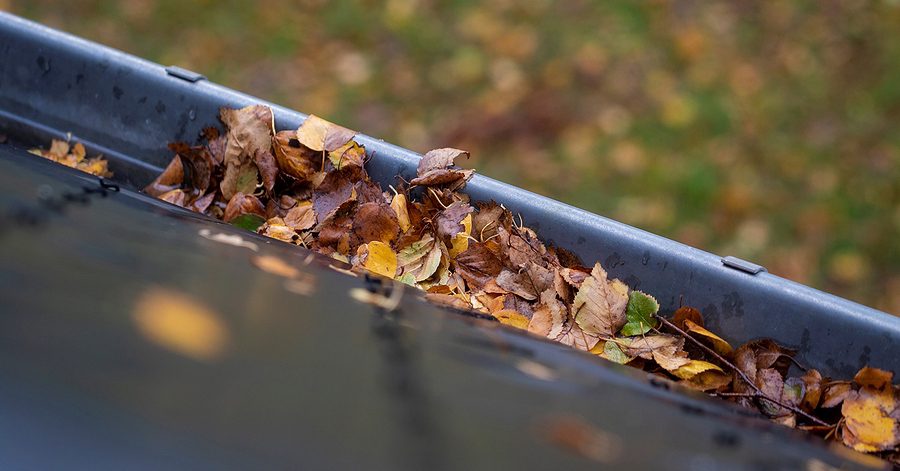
(639, 313)
(612, 352)
(249, 221)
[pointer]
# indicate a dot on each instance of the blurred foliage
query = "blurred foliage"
(765, 130)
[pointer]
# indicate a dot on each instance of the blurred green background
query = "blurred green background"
(765, 130)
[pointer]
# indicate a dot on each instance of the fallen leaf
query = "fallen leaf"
(321, 135)
(834, 394)
(350, 154)
(420, 260)
(870, 413)
(399, 205)
(268, 169)
(241, 204)
(250, 130)
(599, 305)
(381, 259)
(687, 313)
(477, 264)
(375, 222)
(640, 314)
(293, 159)
(438, 159)
(301, 217)
(170, 179)
(512, 318)
(518, 284)
(718, 344)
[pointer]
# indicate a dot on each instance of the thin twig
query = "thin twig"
(737, 370)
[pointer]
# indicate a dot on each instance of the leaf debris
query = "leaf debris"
(310, 187)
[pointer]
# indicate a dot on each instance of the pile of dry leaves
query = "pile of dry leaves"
(74, 156)
(310, 187)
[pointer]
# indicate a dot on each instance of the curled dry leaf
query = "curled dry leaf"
(241, 204)
(170, 179)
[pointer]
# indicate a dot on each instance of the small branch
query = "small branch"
(759, 393)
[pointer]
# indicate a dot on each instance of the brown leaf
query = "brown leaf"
(176, 197)
(813, 381)
(449, 221)
(438, 159)
(301, 217)
(198, 162)
(201, 204)
(250, 130)
(241, 204)
(293, 159)
(375, 221)
(477, 265)
(573, 277)
(541, 278)
(599, 305)
(322, 135)
(268, 169)
(451, 179)
(335, 190)
(216, 144)
(834, 394)
(771, 383)
(487, 219)
(687, 313)
(171, 178)
(241, 177)
(573, 336)
(518, 284)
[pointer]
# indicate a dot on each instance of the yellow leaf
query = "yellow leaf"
(718, 344)
(460, 242)
(513, 318)
(398, 204)
(178, 322)
(867, 427)
(381, 260)
(322, 135)
(869, 414)
(694, 368)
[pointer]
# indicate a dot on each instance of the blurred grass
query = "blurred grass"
(765, 130)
